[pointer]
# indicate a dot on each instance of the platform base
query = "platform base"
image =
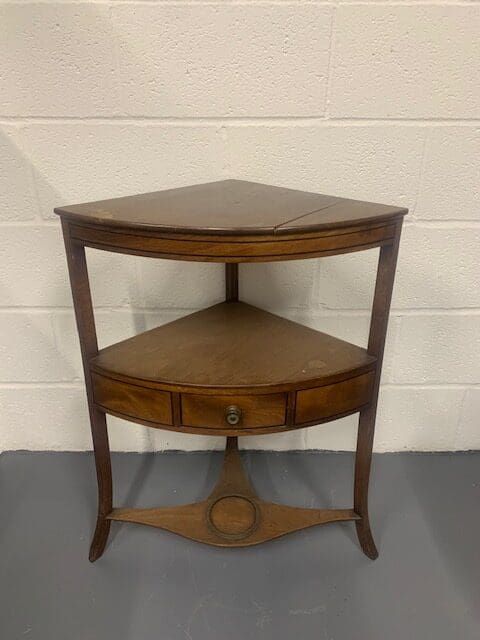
(233, 515)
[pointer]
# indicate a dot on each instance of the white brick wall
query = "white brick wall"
(371, 100)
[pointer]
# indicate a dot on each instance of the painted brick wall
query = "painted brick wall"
(370, 100)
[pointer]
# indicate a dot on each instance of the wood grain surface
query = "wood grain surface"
(229, 347)
(228, 206)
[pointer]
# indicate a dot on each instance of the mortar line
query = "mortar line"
(459, 418)
(330, 61)
(177, 121)
(418, 190)
(289, 3)
(321, 312)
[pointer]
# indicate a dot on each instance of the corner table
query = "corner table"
(231, 369)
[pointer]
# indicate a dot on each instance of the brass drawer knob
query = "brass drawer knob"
(233, 415)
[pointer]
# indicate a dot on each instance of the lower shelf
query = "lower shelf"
(233, 515)
(232, 369)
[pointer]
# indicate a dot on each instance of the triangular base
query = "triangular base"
(233, 515)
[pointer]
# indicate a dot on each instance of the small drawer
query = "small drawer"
(325, 402)
(151, 405)
(233, 412)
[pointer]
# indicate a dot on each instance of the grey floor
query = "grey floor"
(313, 584)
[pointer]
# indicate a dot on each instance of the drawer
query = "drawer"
(333, 399)
(221, 412)
(130, 400)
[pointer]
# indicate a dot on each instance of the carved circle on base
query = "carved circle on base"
(233, 517)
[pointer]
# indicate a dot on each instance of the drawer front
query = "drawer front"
(333, 399)
(151, 405)
(222, 412)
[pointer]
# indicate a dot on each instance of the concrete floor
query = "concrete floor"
(313, 584)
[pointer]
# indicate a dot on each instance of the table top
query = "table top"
(233, 207)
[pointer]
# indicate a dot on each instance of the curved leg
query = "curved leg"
(82, 303)
(363, 460)
(366, 426)
(99, 539)
(104, 481)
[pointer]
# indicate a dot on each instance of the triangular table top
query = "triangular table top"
(233, 207)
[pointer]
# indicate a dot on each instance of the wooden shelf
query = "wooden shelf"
(189, 374)
(232, 346)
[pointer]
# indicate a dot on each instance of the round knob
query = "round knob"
(233, 415)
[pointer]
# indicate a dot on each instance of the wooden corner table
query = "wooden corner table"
(231, 369)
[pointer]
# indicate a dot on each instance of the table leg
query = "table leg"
(104, 480)
(366, 427)
(82, 303)
(363, 460)
(231, 282)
